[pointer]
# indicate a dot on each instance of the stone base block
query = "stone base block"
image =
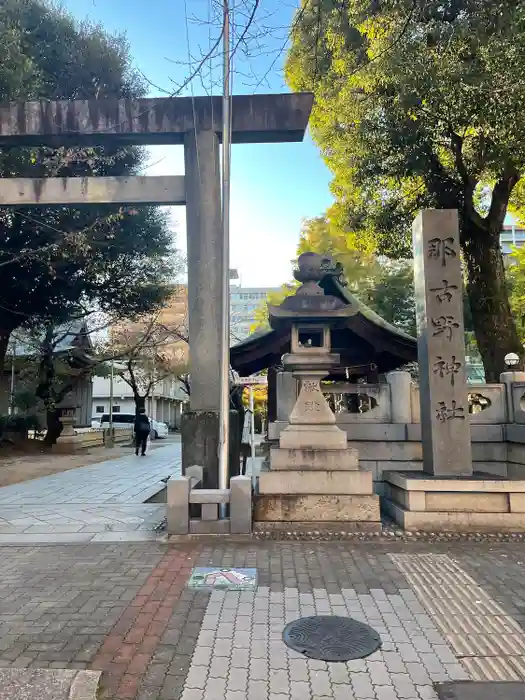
(312, 460)
(454, 522)
(316, 508)
(209, 527)
(318, 482)
(328, 437)
(334, 529)
(480, 503)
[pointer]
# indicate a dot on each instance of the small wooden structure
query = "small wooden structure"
(367, 345)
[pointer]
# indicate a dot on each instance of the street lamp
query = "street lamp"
(12, 388)
(110, 439)
(511, 359)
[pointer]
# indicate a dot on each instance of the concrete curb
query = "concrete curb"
(85, 685)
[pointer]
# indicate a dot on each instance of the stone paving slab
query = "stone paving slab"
(128, 479)
(102, 502)
(481, 691)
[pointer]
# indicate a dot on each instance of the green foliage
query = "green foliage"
(419, 104)
(386, 286)
(56, 262)
(19, 424)
(261, 321)
(412, 97)
(516, 279)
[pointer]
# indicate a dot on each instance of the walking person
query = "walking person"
(142, 431)
(246, 440)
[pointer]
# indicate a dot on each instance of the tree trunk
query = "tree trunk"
(54, 427)
(494, 325)
(5, 335)
(140, 403)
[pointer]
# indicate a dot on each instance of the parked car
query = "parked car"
(158, 429)
(127, 420)
(95, 421)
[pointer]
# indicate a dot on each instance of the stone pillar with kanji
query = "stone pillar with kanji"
(445, 428)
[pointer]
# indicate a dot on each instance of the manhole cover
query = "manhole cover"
(331, 638)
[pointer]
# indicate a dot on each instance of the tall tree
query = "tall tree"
(57, 262)
(148, 352)
(51, 362)
(419, 104)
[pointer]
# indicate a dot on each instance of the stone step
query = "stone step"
(316, 482)
(316, 508)
(300, 436)
(313, 460)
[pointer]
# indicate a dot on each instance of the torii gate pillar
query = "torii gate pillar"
(195, 122)
(204, 231)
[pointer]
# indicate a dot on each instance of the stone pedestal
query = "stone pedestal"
(314, 476)
(478, 503)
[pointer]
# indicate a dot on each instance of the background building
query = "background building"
(166, 404)
(512, 236)
(243, 303)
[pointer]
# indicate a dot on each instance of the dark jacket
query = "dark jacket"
(142, 424)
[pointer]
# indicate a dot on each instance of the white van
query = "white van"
(127, 420)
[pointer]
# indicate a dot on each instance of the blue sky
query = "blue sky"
(273, 186)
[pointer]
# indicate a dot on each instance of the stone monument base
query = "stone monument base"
(316, 508)
(284, 459)
(330, 529)
(337, 494)
(477, 503)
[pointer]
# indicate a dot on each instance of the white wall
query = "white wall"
(127, 405)
(167, 389)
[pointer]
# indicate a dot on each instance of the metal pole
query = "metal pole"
(224, 413)
(252, 425)
(153, 400)
(12, 390)
(110, 441)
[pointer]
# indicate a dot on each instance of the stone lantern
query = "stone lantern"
(313, 474)
(311, 315)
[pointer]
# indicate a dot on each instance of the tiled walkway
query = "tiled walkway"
(100, 502)
(443, 613)
(110, 602)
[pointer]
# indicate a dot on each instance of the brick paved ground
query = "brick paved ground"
(443, 611)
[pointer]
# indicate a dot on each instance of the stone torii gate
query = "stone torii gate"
(195, 123)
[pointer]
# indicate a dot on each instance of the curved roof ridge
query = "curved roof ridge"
(366, 310)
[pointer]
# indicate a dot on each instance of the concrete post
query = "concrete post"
(438, 281)
(203, 214)
(400, 399)
(509, 378)
(240, 505)
(178, 503)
